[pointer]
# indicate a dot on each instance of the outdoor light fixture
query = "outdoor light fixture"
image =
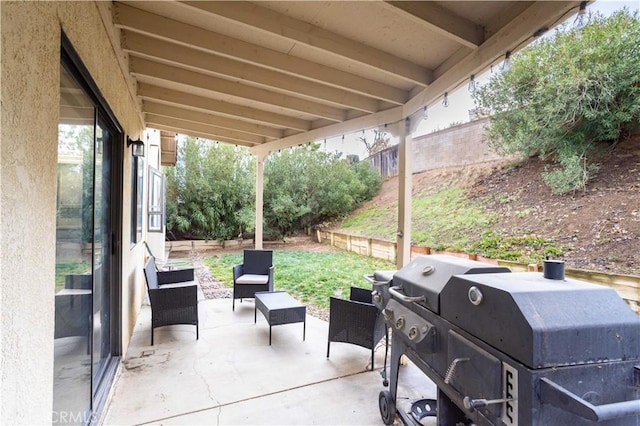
(138, 147)
(445, 99)
(472, 83)
(425, 113)
(506, 65)
(581, 18)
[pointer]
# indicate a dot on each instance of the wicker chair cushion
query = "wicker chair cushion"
(252, 279)
(181, 284)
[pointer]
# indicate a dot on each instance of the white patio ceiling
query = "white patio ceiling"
(272, 74)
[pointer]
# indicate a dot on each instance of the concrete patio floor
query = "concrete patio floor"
(232, 376)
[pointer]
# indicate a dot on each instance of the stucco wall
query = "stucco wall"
(28, 155)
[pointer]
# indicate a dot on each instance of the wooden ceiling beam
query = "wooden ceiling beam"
(515, 33)
(442, 21)
(148, 91)
(255, 16)
(144, 67)
(152, 107)
(138, 44)
(197, 134)
(131, 18)
(187, 127)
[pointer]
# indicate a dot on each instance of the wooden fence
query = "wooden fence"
(205, 245)
(627, 286)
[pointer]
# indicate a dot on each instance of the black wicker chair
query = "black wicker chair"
(356, 321)
(73, 308)
(173, 296)
(254, 274)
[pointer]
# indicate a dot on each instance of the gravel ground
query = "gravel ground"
(214, 289)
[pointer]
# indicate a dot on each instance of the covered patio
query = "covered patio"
(271, 75)
(263, 75)
(232, 376)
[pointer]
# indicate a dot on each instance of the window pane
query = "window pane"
(74, 278)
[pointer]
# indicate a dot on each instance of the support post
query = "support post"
(405, 163)
(259, 200)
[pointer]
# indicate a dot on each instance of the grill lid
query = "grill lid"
(427, 276)
(541, 322)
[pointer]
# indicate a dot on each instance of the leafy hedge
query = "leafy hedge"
(211, 190)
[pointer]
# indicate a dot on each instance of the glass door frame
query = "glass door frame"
(71, 60)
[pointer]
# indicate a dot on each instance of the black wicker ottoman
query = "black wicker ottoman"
(278, 307)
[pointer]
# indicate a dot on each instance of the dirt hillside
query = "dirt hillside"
(599, 228)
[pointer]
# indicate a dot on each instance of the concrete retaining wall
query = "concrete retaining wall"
(453, 147)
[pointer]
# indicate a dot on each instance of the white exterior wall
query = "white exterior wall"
(28, 155)
(154, 239)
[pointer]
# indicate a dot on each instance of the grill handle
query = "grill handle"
(395, 292)
(556, 395)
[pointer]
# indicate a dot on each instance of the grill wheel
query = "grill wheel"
(387, 407)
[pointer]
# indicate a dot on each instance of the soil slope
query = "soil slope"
(599, 228)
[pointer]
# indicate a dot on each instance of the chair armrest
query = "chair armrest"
(177, 276)
(360, 294)
(237, 271)
(271, 280)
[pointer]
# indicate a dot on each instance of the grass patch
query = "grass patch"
(311, 277)
(447, 219)
(374, 222)
(442, 220)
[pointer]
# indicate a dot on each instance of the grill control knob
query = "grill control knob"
(414, 333)
(387, 314)
(475, 295)
(377, 297)
(400, 323)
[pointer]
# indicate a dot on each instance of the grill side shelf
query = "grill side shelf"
(558, 396)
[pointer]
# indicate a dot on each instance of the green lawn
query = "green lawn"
(311, 277)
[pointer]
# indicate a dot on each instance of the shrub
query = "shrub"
(568, 96)
(210, 191)
(305, 186)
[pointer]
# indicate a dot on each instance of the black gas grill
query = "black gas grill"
(510, 348)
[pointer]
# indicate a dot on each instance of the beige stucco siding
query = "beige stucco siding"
(28, 155)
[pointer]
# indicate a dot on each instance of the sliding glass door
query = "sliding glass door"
(102, 257)
(88, 226)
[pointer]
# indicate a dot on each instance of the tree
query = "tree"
(567, 97)
(210, 192)
(380, 141)
(305, 186)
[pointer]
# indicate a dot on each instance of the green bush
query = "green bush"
(568, 96)
(305, 186)
(210, 191)
(528, 248)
